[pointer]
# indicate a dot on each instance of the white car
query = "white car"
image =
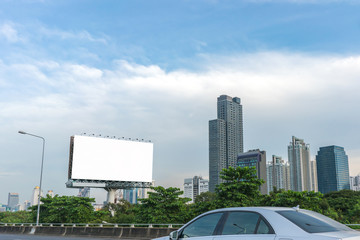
(263, 223)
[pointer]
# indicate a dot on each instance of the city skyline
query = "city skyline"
(153, 69)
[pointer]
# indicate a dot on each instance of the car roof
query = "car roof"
(280, 224)
(257, 209)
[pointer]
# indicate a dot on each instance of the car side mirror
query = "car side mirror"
(173, 235)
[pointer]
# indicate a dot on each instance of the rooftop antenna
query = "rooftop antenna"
(297, 208)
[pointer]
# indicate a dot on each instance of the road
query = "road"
(37, 237)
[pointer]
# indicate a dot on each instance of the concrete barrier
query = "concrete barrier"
(109, 232)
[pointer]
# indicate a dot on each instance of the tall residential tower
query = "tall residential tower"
(225, 138)
(300, 165)
(278, 174)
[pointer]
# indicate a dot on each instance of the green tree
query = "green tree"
(314, 201)
(65, 209)
(240, 187)
(120, 212)
(307, 200)
(345, 203)
(16, 217)
(204, 202)
(164, 205)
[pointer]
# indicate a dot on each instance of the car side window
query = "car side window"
(204, 226)
(263, 228)
(245, 223)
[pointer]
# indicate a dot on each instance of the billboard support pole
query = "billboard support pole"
(111, 195)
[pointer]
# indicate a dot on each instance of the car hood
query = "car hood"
(348, 235)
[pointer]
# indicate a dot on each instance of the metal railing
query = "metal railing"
(132, 225)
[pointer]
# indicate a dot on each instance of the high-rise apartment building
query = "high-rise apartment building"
(332, 169)
(35, 196)
(255, 158)
(194, 187)
(13, 201)
(313, 171)
(300, 165)
(278, 174)
(225, 138)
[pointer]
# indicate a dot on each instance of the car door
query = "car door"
(245, 225)
(202, 228)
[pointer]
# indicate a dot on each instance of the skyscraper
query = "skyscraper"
(13, 201)
(194, 187)
(255, 158)
(332, 169)
(225, 138)
(278, 174)
(35, 196)
(300, 166)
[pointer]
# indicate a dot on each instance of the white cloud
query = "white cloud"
(283, 94)
(71, 35)
(8, 31)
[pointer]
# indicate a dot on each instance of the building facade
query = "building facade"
(332, 169)
(35, 196)
(355, 182)
(278, 174)
(314, 177)
(225, 137)
(84, 192)
(13, 201)
(255, 158)
(194, 187)
(300, 165)
(50, 193)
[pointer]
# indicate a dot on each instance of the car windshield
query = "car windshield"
(313, 222)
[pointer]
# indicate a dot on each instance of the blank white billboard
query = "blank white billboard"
(107, 159)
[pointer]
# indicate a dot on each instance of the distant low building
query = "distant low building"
(84, 192)
(25, 206)
(194, 187)
(133, 195)
(355, 182)
(51, 193)
(3, 208)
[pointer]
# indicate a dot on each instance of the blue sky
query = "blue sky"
(153, 70)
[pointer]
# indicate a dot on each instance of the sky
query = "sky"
(153, 69)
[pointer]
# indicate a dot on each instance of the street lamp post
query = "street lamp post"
(41, 172)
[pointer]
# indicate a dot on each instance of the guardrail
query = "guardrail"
(132, 225)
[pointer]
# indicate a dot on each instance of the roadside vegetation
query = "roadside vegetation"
(164, 205)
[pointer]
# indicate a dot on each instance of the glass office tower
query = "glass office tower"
(332, 169)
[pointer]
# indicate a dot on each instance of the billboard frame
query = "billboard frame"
(106, 184)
